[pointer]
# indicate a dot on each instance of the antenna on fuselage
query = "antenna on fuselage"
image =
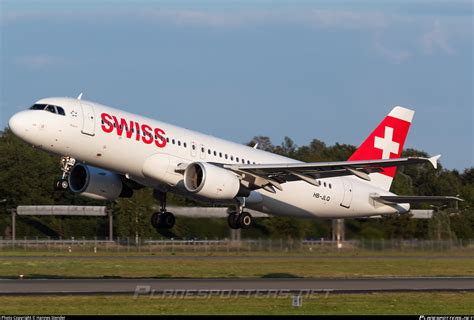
(255, 146)
(79, 97)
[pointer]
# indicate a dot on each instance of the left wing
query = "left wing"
(268, 176)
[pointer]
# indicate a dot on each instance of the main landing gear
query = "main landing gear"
(240, 219)
(162, 219)
(66, 164)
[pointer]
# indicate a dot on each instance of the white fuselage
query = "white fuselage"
(80, 134)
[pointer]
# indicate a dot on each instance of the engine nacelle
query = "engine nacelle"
(97, 183)
(212, 182)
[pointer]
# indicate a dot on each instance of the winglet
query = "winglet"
(79, 97)
(434, 161)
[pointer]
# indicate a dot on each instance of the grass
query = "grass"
(227, 267)
(248, 264)
(113, 250)
(243, 253)
(439, 303)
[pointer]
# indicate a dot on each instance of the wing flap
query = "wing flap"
(414, 199)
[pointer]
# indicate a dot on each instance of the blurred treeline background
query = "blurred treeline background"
(27, 176)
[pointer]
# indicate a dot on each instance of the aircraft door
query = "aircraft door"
(88, 119)
(347, 197)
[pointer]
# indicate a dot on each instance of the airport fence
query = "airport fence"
(233, 246)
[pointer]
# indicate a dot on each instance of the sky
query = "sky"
(329, 70)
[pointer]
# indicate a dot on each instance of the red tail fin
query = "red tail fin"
(386, 142)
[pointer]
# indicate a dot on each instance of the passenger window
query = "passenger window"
(220, 154)
(215, 153)
(248, 161)
(232, 158)
(172, 141)
(325, 184)
(194, 147)
(225, 155)
(184, 144)
(179, 143)
(237, 159)
(243, 161)
(202, 149)
(168, 140)
(208, 151)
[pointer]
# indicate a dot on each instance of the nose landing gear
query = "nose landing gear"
(66, 163)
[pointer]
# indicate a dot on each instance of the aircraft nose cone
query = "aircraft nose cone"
(17, 123)
(14, 123)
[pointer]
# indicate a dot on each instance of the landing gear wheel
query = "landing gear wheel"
(62, 185)
(162, 219)
(233, 221)
(167, 220)
(245, 220)
(155, 220)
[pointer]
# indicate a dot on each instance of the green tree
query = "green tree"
(26, 174)
(264, 143)
(133, 215)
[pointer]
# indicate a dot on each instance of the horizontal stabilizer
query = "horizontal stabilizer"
(414, 199)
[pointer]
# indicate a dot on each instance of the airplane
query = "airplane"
(107, 153)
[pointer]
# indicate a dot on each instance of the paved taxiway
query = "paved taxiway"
(121, 286)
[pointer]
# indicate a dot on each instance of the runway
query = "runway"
(244, 286)
(230, 257)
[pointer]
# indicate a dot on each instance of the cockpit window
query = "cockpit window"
(49, 107)
(38, 107)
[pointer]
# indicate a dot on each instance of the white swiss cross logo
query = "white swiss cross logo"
(386, 144)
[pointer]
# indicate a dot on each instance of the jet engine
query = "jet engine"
(213, 182)
(97, 183)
